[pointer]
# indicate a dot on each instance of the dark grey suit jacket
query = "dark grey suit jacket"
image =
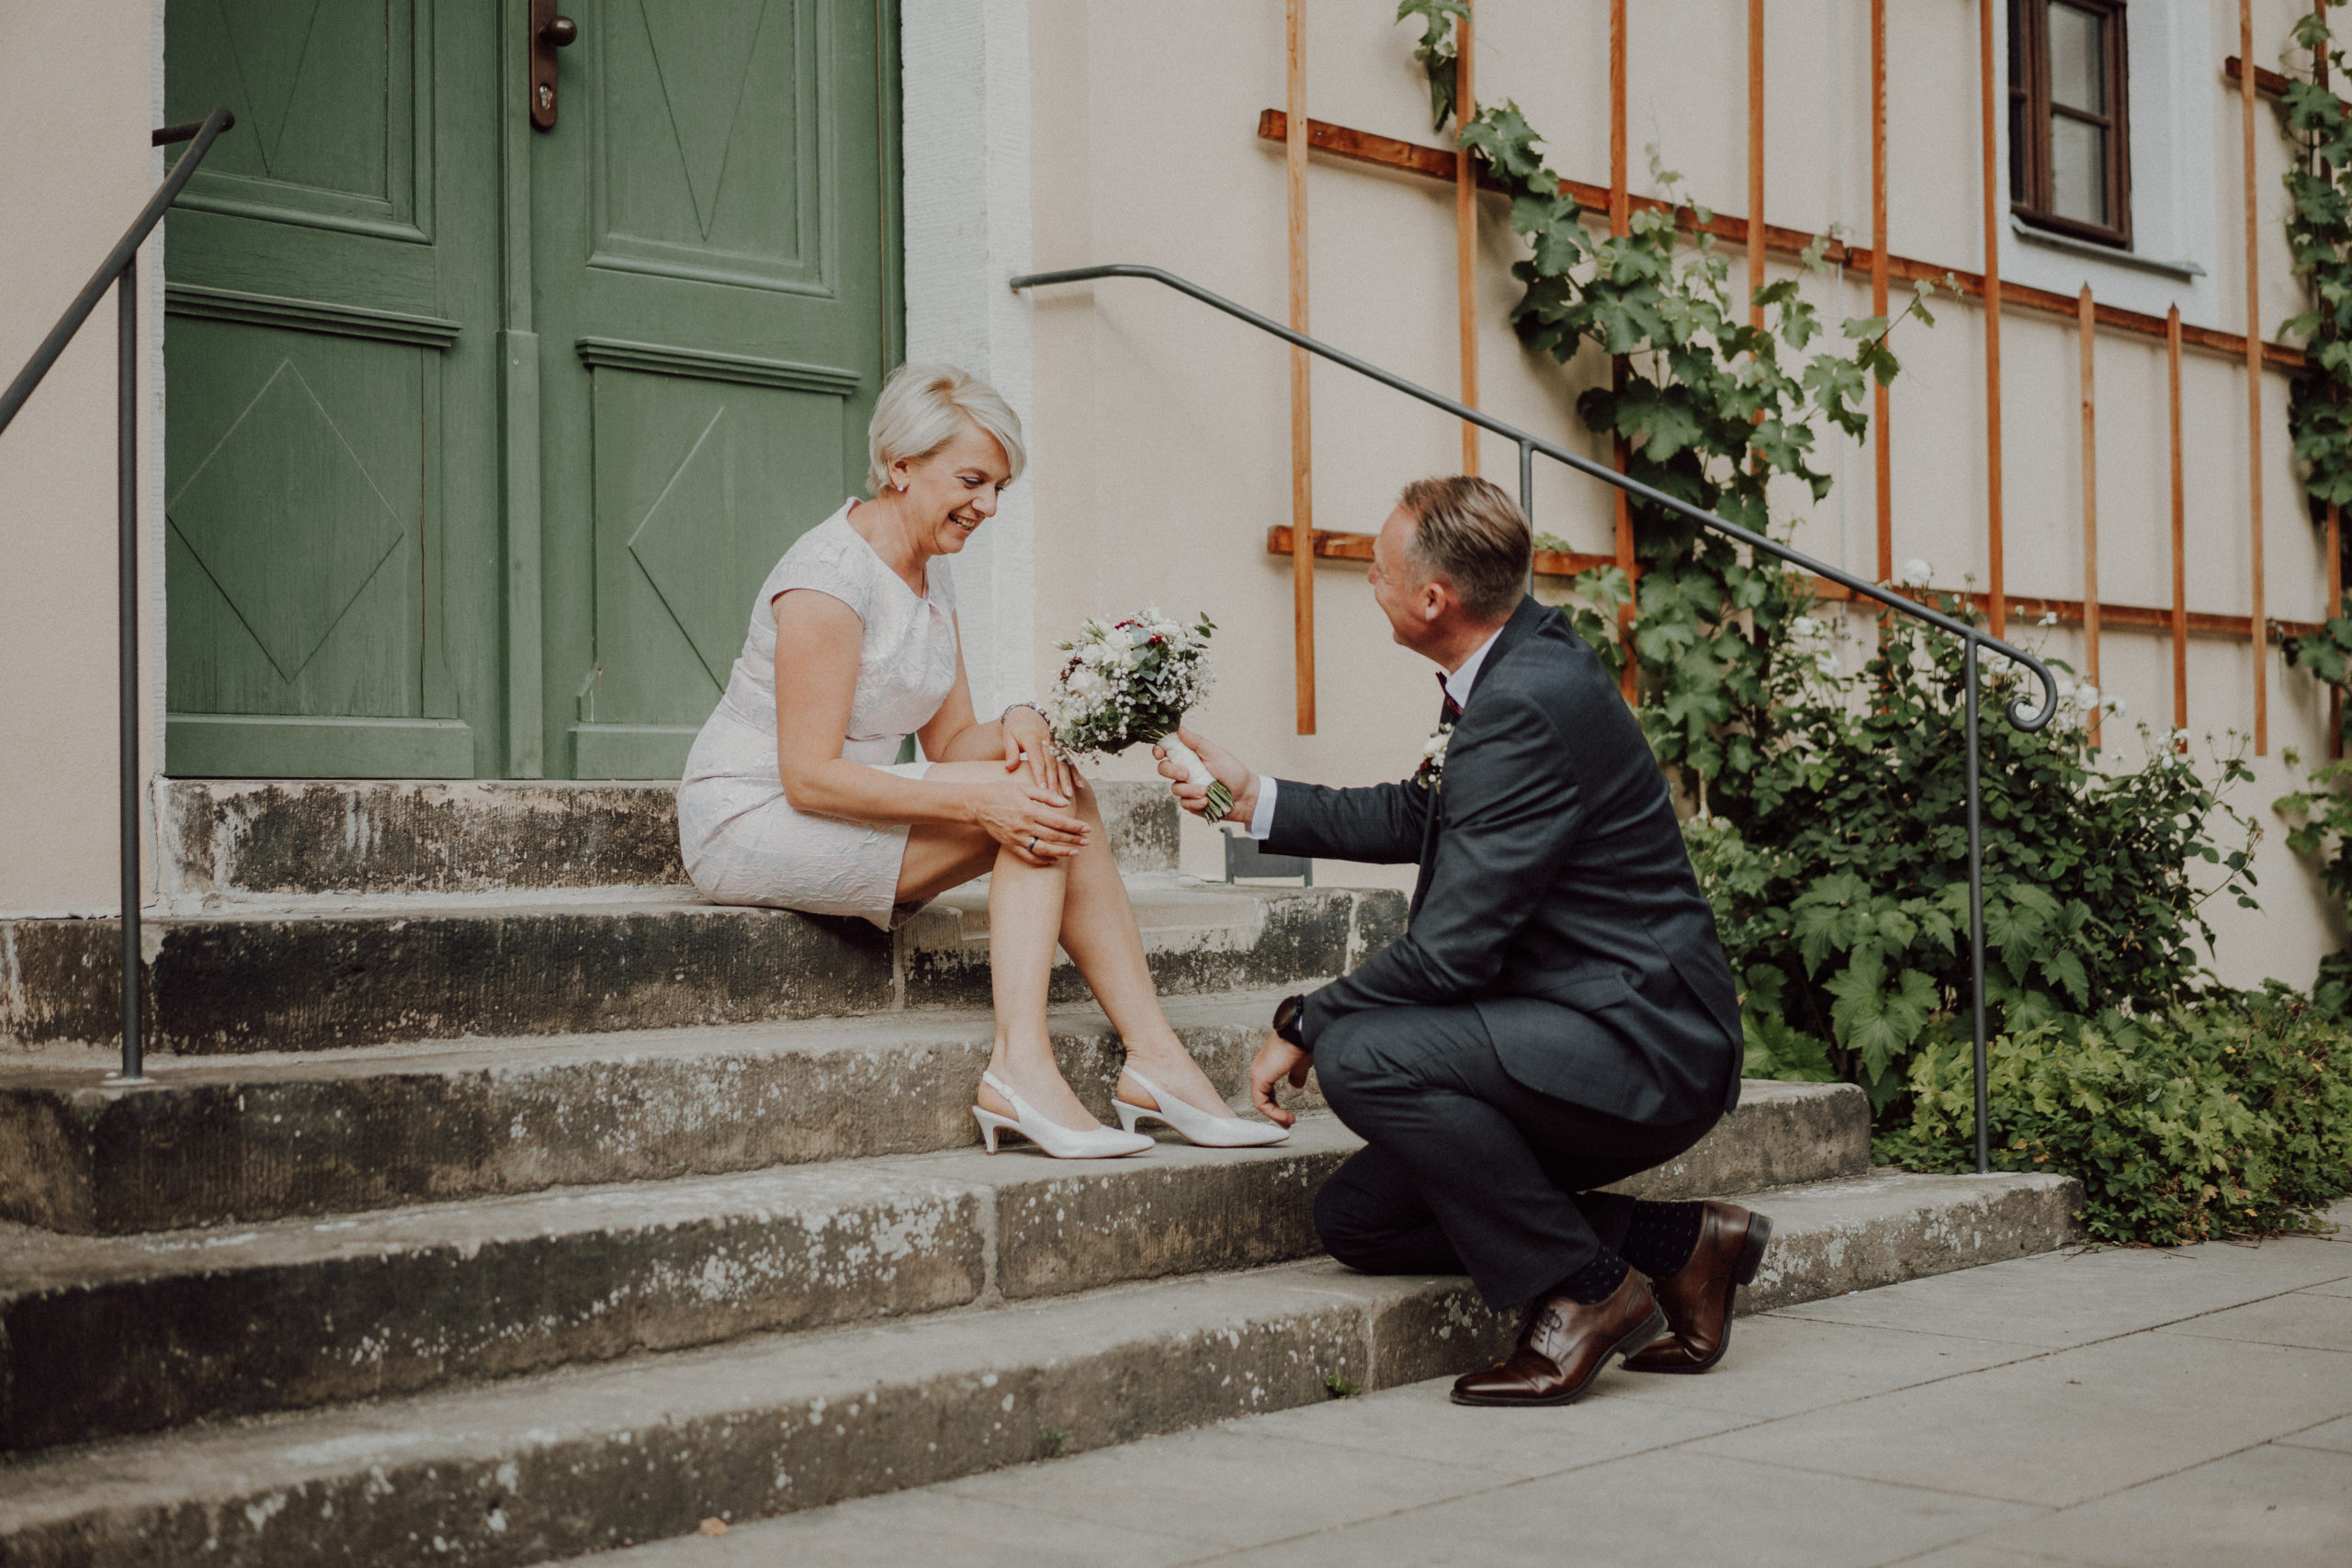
(1555, 894)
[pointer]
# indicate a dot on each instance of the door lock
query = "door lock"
(549, 32)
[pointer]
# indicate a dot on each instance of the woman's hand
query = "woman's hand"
(1029, 745)
(1030, 820)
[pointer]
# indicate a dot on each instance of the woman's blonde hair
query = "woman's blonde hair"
(921, 409)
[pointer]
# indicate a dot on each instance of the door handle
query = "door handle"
(549, 32)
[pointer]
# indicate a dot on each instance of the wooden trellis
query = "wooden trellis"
(1303, 544)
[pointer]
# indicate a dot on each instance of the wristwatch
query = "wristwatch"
(1287, 1020)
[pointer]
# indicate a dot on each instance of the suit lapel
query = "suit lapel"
(1515, 630)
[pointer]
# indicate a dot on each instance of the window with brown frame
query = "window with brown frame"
(2070, 159)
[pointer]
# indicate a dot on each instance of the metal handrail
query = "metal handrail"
(120, 271)
(2019, 715)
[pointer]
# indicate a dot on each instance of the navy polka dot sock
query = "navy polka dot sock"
(1595, 1281)
(1662, 1236)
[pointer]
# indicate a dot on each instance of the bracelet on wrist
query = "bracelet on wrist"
(1032, 707)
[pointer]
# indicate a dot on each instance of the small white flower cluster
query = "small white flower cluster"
(1430, 773)
(2086, 699)
(1128, 681)
(1915, 573)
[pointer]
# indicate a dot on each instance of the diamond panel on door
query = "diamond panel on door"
(707, 152)
(700, 486)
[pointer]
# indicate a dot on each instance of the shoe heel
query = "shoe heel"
(990, 1122)
(1128, 1115)
(1751, 1251)
(1653, 1328)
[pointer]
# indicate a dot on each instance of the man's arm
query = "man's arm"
(1381, 825)
(1512, 808)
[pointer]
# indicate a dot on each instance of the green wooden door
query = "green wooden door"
(714, 315)
(360, 484)
(330, 461)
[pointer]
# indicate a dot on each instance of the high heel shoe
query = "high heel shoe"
(1097, 1142)
(1197, 1126)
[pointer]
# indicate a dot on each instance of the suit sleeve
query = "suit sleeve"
(1380, 825)
(1513, 809)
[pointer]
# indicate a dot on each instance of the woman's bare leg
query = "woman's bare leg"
(1025, 913)
(1098, 932)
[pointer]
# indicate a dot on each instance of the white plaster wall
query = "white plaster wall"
(82, 85)
(1163, 430)
(967, 91)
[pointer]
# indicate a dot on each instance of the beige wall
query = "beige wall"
(82, 88)
(1161, 430)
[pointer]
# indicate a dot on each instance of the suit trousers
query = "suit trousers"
(1469, 1171)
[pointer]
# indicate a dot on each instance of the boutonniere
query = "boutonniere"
(1431, 773)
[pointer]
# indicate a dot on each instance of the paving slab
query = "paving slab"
(1420, 1422)
(926, 1526)
(2335, 1435)
(1235, 1489)
(2078, 1296)
(2066, 1427)
(1668, 1509)
(1780, 1364)
(2309, 1318)
(2280, 1507)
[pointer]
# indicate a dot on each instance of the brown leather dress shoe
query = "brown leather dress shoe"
(1698, 1296)
(1563, 1347)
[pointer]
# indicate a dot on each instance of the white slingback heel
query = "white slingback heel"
(1198, 1126)
(1097, 1142)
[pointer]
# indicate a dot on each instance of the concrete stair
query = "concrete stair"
(403, 1259)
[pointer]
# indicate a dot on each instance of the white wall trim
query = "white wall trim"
(965, 85)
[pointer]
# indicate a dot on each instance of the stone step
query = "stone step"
(250, 1138)
(232, 1321)
(329, 972)
(224, 840)
(557, 1464)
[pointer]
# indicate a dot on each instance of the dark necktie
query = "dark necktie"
(1453, 710)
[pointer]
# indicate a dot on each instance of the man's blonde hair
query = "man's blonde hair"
(920, 410)
(1469, 532)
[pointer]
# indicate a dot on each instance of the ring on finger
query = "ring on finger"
(1032, 846)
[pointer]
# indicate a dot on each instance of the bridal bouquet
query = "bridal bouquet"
(1131, 681)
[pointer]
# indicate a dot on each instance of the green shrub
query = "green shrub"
(1837, 865)
(2231, 1120)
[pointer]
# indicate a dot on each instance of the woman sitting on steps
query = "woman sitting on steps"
(792, 796)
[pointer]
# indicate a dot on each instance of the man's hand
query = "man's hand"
(1229, 769)
(1277, 1059)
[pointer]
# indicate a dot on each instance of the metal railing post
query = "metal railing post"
(127, 638)
(2019, 715)
(120, 272)
(1976, 916)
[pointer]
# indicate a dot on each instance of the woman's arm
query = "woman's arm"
(817, 645)
(1020, 738)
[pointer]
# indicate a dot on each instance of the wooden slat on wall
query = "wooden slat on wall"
(1465, 225)
(1333, 546)
(2253, 378)
(1991, 287)
(1437, 162)
(1302, 423)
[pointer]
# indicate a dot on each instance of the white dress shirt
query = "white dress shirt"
(1458, 686)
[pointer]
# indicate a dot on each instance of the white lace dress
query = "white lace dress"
(744, 843)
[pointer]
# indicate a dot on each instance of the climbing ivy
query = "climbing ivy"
(1712, 410)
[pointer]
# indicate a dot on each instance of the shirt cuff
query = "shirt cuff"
(1262, 816)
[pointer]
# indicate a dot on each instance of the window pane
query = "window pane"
(2077, 58)
(2078, 171)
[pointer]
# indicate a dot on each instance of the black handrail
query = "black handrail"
(1529, 445)
(120, 271)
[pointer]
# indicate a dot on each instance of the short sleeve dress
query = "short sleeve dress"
(743, 841)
